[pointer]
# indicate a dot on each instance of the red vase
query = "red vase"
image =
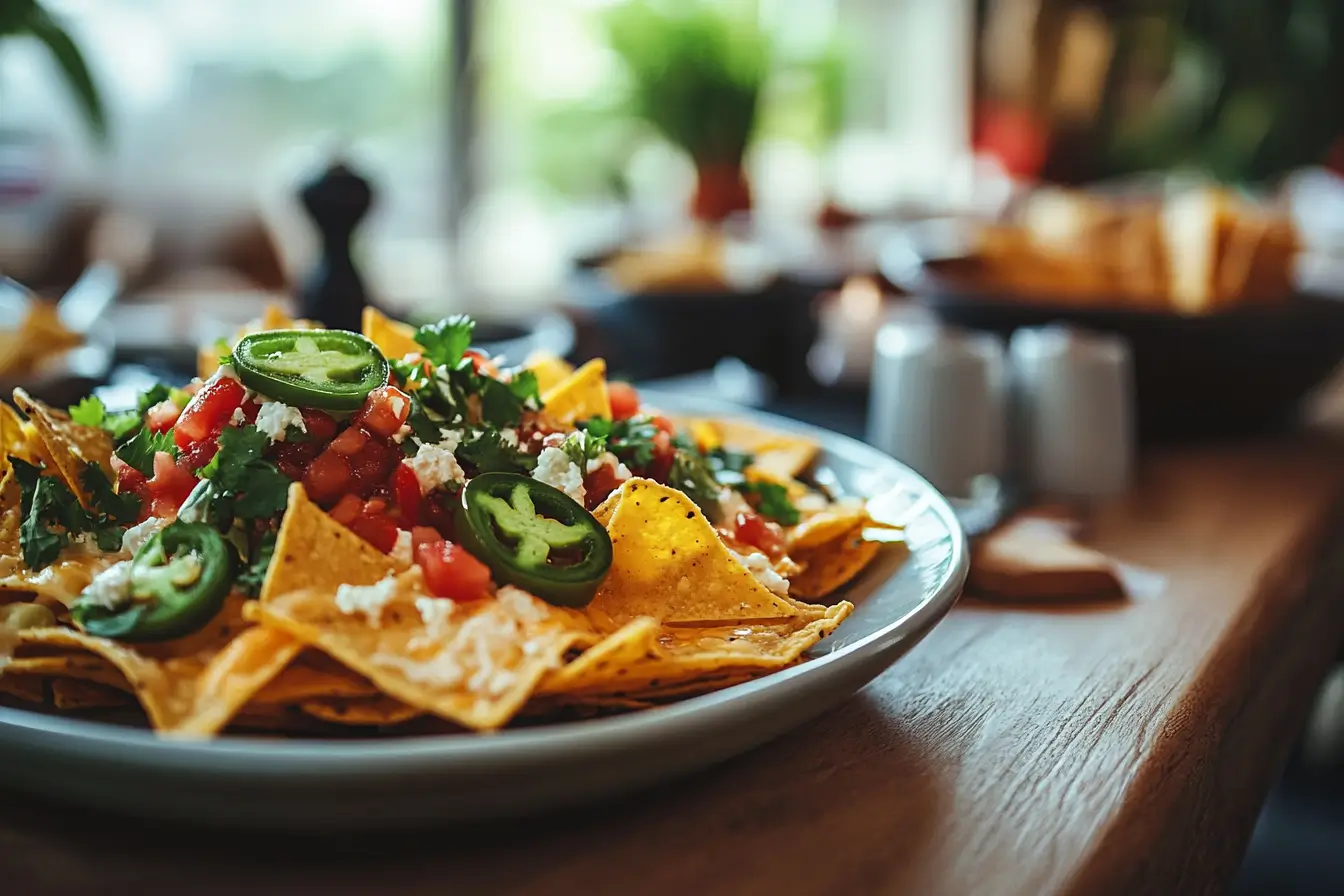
(720, 191)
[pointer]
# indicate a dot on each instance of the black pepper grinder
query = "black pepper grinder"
(333, 292)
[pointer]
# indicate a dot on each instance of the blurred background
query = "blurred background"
(727, 197)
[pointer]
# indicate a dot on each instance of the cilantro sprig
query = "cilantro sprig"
(253, 575)
(487, 452)
(90, 411)
(243, 483)
(631, 440)
(53, 516)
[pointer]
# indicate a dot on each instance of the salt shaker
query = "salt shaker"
(938, 403)
(1073, 412)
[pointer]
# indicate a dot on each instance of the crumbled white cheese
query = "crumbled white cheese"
(556, 469)
(400, 435)
(521, 604)
(436, 465)
(553, 440)
(137, 535)
(434, 613)
(607, 459)
(731, 504)
(760, 567)
(225, 372)
(370, 600)
(238, 418)
(110, 589)
(401, 551)
(509, 437)
(275, 417)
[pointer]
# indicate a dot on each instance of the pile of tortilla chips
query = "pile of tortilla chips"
(678, 614)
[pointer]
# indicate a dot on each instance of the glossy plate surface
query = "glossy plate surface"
(354, 784)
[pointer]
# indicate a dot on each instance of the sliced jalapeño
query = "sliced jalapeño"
(534, 536)
(330, 369)
(178, 581)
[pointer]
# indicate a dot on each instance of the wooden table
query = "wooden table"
(1123, 748)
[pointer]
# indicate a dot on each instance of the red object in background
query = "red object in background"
(1334, 160)
(624, 400)
(1014, 137)
(720, 192)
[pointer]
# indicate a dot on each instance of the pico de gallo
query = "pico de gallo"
(445, 458)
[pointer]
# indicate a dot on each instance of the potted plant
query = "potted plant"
(19, 18)
(696, 73)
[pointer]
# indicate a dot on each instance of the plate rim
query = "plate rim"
(256, 757)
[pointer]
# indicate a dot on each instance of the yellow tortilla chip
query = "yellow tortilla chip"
(18, 440)
(73, 694)
(61, 581)
(25, 688)
(360, 711)
(304, 680)
(77, 666)
(70, 446)
(473, 663)
(394, 339)
(825, 526)
(777, 455)
(632, 642)
(669, 564)
(273, 317)
(165, 677)
(314, 551)
(582, 395)
(234, 676)
(830, 566)
(549, 369)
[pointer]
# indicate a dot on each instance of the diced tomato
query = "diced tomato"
(600, 483)
(349, 443)
(406, 489)
(384, 411)
(624, 400)
(664, 424)
(209, 412)
(319, 425)
(289, 456)
(372, 466)
(481, 363)
(130, 481)
(424, 535)
(169, 487)
(753, 529)
(162, 416)
(327, 478)
(437, 513)
(376, 527)
(452, 572)
(347, 509)
(663, 454)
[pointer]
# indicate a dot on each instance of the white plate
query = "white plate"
(365, 783)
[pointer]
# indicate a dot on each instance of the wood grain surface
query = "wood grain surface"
(1113, 748)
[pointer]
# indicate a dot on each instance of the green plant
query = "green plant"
(28, 18)
(696, 72)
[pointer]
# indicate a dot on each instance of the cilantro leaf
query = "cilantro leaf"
(489, 453)
(446, 341)
(119, 508)
(89, 412)
(772, 501)
(526, 389)
(729, 466)
(500, 404)
(692, 475)
(139, 451)
(155, 394)
(41, 545)
(239, 470)
(251, 579)
(109, 538)
(630, 440)
(582, 446)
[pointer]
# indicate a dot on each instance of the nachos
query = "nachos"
(391, 529)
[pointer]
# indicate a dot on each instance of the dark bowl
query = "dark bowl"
(650, 335)
(1239, 372)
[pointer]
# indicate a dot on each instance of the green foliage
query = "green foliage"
(29, 18)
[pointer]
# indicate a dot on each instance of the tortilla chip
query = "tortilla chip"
(74, 666)
(63, 580)
(73, 695)
(71, 446)
(25, 688)
(475, 665)
(360, 710)
(549, 370)
(304, 680)
(165, 677)
(18, 440)
(314, 551)
(778, 456)
(234, 677)
(394, 339)
(582, 395)
(634, 641)
(669, 564)
(825, 526)
(273, 317)
(830, 566)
